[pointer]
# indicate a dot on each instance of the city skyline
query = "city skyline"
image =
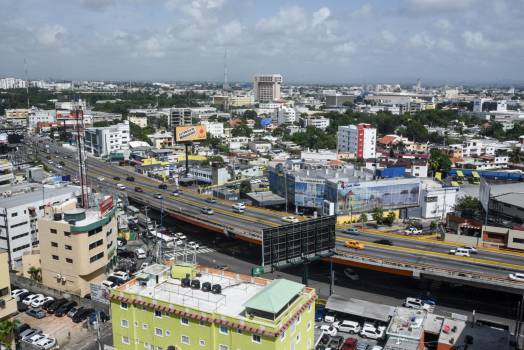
(462, 41)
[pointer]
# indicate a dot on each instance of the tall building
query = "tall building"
(17, 116)
(77, 245)
(267, 87)
(180, 116)
(6, 173)
(192, 307)
(18, 217)
(12, 83)
(284, 115)
(102, 141)
(358, 139)
(7, 302)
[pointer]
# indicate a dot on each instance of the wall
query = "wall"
(467, 240)
(5, 288)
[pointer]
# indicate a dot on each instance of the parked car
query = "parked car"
(46, 343)
(28, 333)
(47, 304)
(289, 219)
(349, 344)
(193, 245)
(64, 309)
(211, 200)
(108, 284)
(414, 303)
(384, 242)
(39, 302)
(36, 313)
(329, 317)
(130, 178)
(351, 231)
(100, 178)
(347, 326)
(335, 342)
(16, 292)
(370, 331)
(329, 329)
(121, 274)
(35, 338)
(115, 280)
(139, 189)
(140, 253)
(21, 329)
(74, 310)
(207, 211)
(362, 345)
(350, 243)
(54, 306)
(82, 315)
(29, 299)
(20, 297)
(412, 231)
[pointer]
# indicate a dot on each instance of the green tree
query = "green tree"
(249, 114)
(363, 218)
(378, 215)
(241, 130)
(391, 218)
(439, 161)
(245, 187)
(467, 202)
(516, 156)
(7, 332)
(35, 273)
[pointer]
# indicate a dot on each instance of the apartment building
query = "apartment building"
(267, 87)
(7, 303)
(77, 245)
(358, 139)
(162, 139)
(6, 173)
(19, 215)
(40, 116)
(190, 307)
(180, 116)
(17, 116)
(12, 83)
(317, 121)
(214, 129)
(102, 141)
(284, 115)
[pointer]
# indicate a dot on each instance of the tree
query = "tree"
(378, 214)
(439, 161)
(7, 332)
(363, 218)
(516, 156)
(391, 218)
(35, 273)
(245, 187)
(467, 202)
(249, 114)
(241, 130)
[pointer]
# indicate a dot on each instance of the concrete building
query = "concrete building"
(267, 87)
(162, 139)
(17, 116)
(180, 116)
(157, 310)
(7, 302)
(359, 139)
(214, 129)
(260, 146)
(211, 175)
(316, 121)
(40, 116)
(19, 215)
(6, 173)
(284, 115)
(103, 141)
(436, 201)
(77, 245)
(338, 100)
(140, 120)
(12, 83)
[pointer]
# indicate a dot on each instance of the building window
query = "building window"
(124, 323)
(283, 336)
(202, 322)
(184, 339)
(223, 347)
(255, 338)
(123, 305)
(96, 244)
(202, 342)
(67, 234)
(224, 329)
(158, 313)
(158, 332)
(68, 247)
(125, 340)
(54, 244)
(168, 333)
(96, 257)
(184, 321)
(145, 326)
(293, 325)
(299, 319)
(518, 240)
(53, 230)
(239, 331)
(14, 214)
(55, 257)
(69, 260)
(298, 337)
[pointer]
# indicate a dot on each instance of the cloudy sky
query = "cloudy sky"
(439, 41)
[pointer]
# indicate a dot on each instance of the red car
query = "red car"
(349, 344)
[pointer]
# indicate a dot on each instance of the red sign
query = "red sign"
(106, 205)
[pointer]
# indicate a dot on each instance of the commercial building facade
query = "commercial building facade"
(103, 141)
(155, 311)
(358, 139)
(267, 87)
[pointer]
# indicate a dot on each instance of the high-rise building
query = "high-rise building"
(267, 87)
(358, 139)
(284, 115)
(102, 141)
(77, 245)
(190, 307)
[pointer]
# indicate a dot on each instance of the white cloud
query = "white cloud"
(387, 37)
(320, 16)
(446, 45)
(198, 10)
(97, 5)
(151, 47)
(345, 48)
(292, 18)
(230, 32)
(422, 40)
(443, 25)
(51, 34)
(474, 40)
(364, 10)
(432, 6)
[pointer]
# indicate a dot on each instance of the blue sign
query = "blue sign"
(266, 121)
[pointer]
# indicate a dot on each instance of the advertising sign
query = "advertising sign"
(106, 205)
(99, 293)
(190, 133)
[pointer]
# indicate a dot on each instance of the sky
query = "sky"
(307, 41)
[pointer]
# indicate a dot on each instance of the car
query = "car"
(22, 296)
(55, 305)
(362, 346)
(176, 193)
(329, 329)
(349, 344)
(346, 326)
(29, 299)
(59, 166)
(16, 292)
(130, 178)
(64, 309)
(377, 347)
(325, 339)
(116, 178)
(140, 253)
(139, 189)
(36, 313)
(412, 231)
(39, 302)
(28, 333)
(180, 235)
(211, 200)
(429, 300)
(158, 196)
(414, 303)
(47, 304)
(74, 310)
(329, 317)
(351, 274)
(207, 211)
(35, 338)
(193, 245)
(162, 186)
(351, 231)
(290, 219)
(108, 284)
(472, 250)
(240, 205)
(335, 342)
(383, 242)
(144, 265)
(100, 178)
(46, 343)
(179, 242)
(516, 276)
(370, 331)
(121, 274)
(222, 267)
(120, 186)
(82, 315)
(21, 329)
(350, 243)
(459, 252)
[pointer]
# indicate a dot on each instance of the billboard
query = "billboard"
(105, 205)
(295, 243)
(190, 133)
(99, 293)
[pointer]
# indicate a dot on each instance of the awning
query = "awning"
(455, 184)
(360, 308)
(475, 174)
(460, 173)
(438, 176)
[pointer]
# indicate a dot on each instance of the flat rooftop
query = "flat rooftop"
(39, 194)
(407, 323)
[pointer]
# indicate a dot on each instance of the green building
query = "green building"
(155, 311)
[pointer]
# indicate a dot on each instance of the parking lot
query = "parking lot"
(335, 339)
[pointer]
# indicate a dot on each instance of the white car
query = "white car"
(120, 186)
(329, 329)
(472, 250)
(100, 178)
(180, 235)
(15, 293)
(144, 265)
(414, 303)
(36, 338)
(41, 301)
(459, 252)
(239, 205)
(108, 284)
(29, 299)
(347, 326)
(372, 332)
(140, 253)
(179, 242)
(517, 276)
(329, 317)
(193, 245)
(121, 274)
(46, 343)
(290, 219)
(59, 166)
(413, 231)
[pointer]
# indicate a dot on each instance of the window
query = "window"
(14, 214)
(69, 260)
(168, 333)
(96, 244)
(299, 319)
(308, 325)
(184, 339)
(124, 323)
(53, 230)
(518, 240)
(310, 307)
(55, 257)
(283, 336)
(158, 332)
(293, 325)
(184, 321)
(298, 337)
(224, 329)
(20, 236)
(19, 224)
(96, 257)
(54, 244)
(255, 338)
(223, 347)
(202, 322)
(68, 247)
(158, 313)
(202, 342)
(125, 340)
(123, 305)
(67, 234)
(145, 326)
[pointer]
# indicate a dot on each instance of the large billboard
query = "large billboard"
(295, 243)
(190, 133)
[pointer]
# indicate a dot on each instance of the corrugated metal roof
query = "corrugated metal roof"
(361, 308)
(274, 296)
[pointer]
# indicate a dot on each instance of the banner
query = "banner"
(190, 133)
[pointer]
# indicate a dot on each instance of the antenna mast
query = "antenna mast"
(82, 174)
(225, 86)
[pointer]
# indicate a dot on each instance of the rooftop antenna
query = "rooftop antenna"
(225, 86)
(78, 114)
(26, 82)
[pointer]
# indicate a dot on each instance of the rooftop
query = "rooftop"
(38, 194)
(274, 297)
(407, 323)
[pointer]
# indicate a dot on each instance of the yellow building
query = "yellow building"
(77, 245)
(7, 302)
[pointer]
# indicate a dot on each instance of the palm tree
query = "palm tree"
(7, 332)
(35, 273)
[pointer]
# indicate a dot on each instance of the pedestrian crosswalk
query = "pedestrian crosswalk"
(181, 252)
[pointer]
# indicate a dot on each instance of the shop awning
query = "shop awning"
(460, 173)
(455, 184)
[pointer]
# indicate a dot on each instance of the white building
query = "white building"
(478, 148)
(140, 120)
(284, 115)
(17, 116)
(40, 116)
(18, 216)
(318, 122)
(358, 139)
(267, 87)
(214, 129)
(436, 201)
(12, 83)
(102, 141)
(260, 146)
